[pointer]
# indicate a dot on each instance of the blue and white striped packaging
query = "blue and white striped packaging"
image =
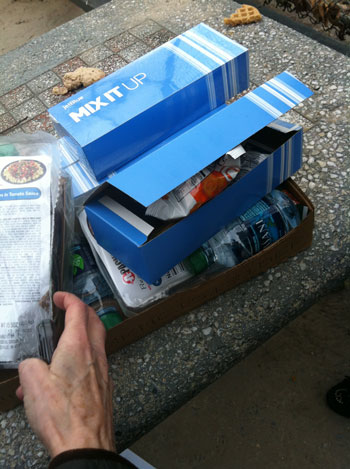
(255, 110)
(251, 120)
(188, 152)
(135, 108)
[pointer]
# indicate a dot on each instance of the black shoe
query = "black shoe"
(338, 397)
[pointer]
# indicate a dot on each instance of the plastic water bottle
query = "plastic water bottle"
(261, 225)
(90, 286)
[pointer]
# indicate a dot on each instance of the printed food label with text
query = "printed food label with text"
(25, 228)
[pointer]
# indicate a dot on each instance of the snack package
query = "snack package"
(132, 292)
(203, 186)
(36, 215)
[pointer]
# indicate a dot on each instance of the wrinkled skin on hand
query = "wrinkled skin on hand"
(69, 402)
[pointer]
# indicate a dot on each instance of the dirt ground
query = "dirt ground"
(23, 20)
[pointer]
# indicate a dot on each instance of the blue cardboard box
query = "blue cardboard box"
(133, 109)
(116, 209)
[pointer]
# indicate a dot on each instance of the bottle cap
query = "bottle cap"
(197, 261)
(110, 317)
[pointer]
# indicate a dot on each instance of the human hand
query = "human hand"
(69, 402)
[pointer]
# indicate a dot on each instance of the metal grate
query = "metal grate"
(330, 14)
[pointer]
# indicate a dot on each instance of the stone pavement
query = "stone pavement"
(159, 373)
(269, 410)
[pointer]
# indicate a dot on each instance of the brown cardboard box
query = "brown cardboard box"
(170, 308)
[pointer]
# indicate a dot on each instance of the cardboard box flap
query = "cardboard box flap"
(284, 127)
(116, 221)
(158, 171)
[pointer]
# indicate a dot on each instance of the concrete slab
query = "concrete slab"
(270, 409)
(23, 20)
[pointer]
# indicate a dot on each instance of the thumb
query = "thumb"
(32, 372)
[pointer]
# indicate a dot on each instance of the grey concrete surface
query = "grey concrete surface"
(23, 20)
(95, 27)
(159, 373)
(269, 411)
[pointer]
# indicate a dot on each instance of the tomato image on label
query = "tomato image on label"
(129, 277)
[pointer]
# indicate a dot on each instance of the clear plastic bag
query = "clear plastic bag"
(131, 291)
(36, 221)
(90, 286)
(257, 228)
(199, 189)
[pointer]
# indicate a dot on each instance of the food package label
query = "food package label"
(25, 229)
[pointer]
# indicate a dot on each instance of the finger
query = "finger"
(19, 393)
(73, 350)
(76, 318)
(96, 332)
(76, 310)
(97, 337)
(32, 372)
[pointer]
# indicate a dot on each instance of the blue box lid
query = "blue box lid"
(158, 171)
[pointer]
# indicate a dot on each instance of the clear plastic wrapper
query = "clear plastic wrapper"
(257, 228)
(132, 292)
(199, 189)
(264, 223)
(224, 250)
(90, 286)
(36, 219)
(207, 184)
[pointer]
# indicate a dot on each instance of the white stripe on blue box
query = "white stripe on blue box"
(187, 57)
(230, 86)
(199, 66)
(271, 98)
(262, 104)
(210, 46)
(273, 101)
(199, 48)
(283, 126)
(269, 89)
(228, 49)
(229, 45)
(211, 56)
(281, 86)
